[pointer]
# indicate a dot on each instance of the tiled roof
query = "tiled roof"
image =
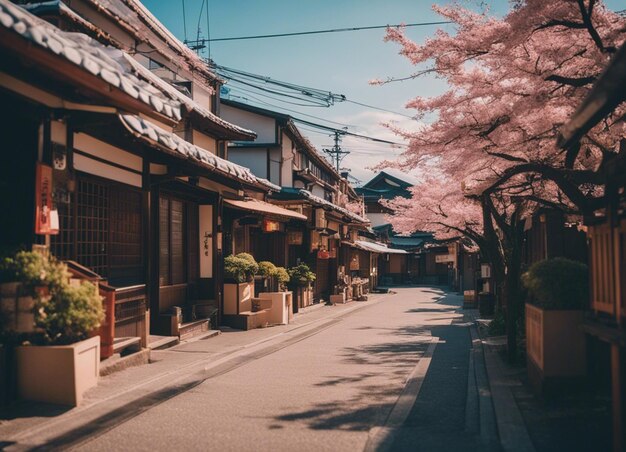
(189, 104)
(107, 63)
(174, 144)
(137, 19)
(322, 202)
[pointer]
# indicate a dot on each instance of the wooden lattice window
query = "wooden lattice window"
(125, 248)
(92, 224)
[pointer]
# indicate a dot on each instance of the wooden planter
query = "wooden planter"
(238, 297)
(58, 373)
(305, 296)
(555, 347)
(279, 304)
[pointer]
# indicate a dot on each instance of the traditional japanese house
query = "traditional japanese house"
(309, 185)
(383, 186)
(606, 234)
(138, 185)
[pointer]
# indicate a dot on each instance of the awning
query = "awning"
(377, 247)
(263, 207)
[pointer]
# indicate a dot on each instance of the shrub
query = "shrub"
(69, 314)
(301, 275)
(241, 267)
(283, 277)
(267, 269)
(66, 313)
(33, 269)
(557, 283)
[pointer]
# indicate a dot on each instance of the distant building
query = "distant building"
(382, 186)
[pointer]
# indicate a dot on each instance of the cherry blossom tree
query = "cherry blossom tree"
(513, 82)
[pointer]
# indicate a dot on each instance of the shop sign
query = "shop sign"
(271, 226)
(46, 220)
(444, 258)
(294, 237)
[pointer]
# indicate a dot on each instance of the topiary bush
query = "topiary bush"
(301, 275)
(282, 277)
(240, 268)
(267, 269)
(557, 283)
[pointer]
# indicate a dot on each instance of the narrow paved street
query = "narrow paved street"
(324, 391)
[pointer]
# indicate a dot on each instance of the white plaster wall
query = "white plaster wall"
(264, 127)
(318, 191)
(288, 162)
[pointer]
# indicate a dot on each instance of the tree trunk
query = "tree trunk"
(513, 257)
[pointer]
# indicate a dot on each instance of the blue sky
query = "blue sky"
(343, 63)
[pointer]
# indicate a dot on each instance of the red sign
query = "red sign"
(323, 254)
(43, 200)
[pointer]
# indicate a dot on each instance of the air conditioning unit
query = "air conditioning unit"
(320, 219)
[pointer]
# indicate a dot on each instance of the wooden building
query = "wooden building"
(135, 183)
(605, 323)
(309, 185)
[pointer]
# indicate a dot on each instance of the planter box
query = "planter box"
(305, 297)
(279, 304)
(238, 297)
(341, 298)
(555, 347)
(58, 373)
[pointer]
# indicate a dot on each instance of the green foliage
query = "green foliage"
(283, 277)
(557, 283)
(66, 313)
(301, 275)
(267, 269)
(70, 314)
(33, 269)
(241, 267)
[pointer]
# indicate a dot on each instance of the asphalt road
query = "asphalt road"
(323, 391)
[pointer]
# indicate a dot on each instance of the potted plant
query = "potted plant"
(276, 298)
(239, 271)
(59, 357)
(301, 278)
(558, 291)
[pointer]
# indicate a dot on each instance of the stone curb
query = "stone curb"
(381, 438)
(512, 429)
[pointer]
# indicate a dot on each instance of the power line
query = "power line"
(184, 22)
(316, 32)
(290, 110)
(378, 108)
(345, 132)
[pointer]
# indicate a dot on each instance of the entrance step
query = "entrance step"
(247, 320)
(191, 329)
(126, 345)
(161, 342)
(117, 362)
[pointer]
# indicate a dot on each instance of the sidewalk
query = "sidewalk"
(172, 371)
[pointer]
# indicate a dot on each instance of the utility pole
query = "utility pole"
(336, 153)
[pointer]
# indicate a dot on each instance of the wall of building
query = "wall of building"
(264, 127)
(205, 142)
(377, 219)
(288, 162)
(253, 158)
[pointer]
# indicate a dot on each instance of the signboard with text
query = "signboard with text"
(444, 258)
(46, 221)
